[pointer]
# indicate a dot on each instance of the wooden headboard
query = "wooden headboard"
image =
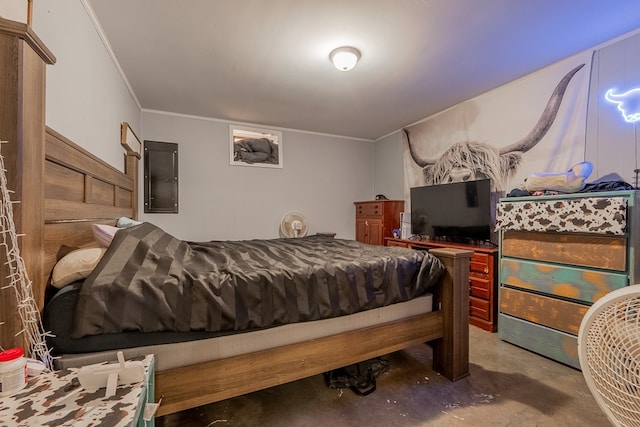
(61, 189)
(79, 190)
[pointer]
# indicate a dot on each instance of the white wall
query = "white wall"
(387, 157)
(389, 178)
(15, 10)
(86, 98)
(322, 177)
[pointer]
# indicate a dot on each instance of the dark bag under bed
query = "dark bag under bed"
(359, 377)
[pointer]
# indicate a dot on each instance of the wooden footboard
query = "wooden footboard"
(451, 352)
(445, 329)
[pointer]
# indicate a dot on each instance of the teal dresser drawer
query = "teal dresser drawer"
(548, 342)
(574, 283)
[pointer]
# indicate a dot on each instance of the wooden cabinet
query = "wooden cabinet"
(377, 219)
(483, 279)
(558, 255)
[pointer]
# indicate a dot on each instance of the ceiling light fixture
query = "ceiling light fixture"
(345, 57)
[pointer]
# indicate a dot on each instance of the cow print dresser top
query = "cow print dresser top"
(55, 399)
(601, 215)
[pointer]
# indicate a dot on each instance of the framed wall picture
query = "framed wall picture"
(255, 147)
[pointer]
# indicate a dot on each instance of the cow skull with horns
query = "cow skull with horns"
(469, 160)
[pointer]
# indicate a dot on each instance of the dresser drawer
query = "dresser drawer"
(479, 308)
(480, 262)
(540, 339)
(585, 250)
(560, 280)
(554, 313)
(369, 209)
(479, 285)
(400, 244)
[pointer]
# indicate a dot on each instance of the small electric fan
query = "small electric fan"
(293, 224)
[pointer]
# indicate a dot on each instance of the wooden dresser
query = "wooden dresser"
(483, 278)
(376, 219)
(558, 255)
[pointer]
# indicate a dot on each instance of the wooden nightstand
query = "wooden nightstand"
(42, 402)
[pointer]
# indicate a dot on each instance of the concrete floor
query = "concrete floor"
(508, 386)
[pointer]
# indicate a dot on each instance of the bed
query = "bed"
(81, 190)
(63, 190)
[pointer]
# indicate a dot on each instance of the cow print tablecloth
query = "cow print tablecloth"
(43, 403)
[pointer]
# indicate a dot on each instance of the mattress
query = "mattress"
(173, 355)
(58, 319)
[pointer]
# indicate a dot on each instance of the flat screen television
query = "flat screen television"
(455, 212)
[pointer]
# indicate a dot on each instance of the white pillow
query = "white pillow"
(75, 265)
(104, 233)
(125, 222)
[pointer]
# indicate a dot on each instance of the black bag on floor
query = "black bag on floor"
(359, 377)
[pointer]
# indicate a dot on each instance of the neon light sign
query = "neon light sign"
(628, 103)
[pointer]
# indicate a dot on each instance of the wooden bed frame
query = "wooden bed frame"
(66, 189)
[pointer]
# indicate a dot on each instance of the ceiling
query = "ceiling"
(266, 62)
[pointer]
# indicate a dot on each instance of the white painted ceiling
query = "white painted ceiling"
(266, 62)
